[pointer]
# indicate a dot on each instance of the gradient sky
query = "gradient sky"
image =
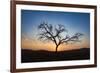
(73, 22)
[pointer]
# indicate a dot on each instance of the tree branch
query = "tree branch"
(48, 29)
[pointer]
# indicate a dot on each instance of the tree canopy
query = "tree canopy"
(54, 34)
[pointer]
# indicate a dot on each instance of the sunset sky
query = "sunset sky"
(73, 21)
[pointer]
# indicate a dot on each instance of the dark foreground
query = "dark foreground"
(43, 56)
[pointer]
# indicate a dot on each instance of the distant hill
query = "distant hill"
(44, 56)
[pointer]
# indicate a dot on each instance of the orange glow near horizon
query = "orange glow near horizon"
(50, 46)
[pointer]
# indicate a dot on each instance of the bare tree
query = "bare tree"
(54, 34)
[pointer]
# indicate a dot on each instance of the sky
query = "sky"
(73, 21)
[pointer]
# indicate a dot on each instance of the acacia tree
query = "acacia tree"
(54, 34)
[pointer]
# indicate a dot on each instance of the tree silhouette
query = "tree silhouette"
(54, 34)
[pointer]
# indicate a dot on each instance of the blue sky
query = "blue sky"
(73, 21)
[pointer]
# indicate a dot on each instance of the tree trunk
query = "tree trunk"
(56, 48)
